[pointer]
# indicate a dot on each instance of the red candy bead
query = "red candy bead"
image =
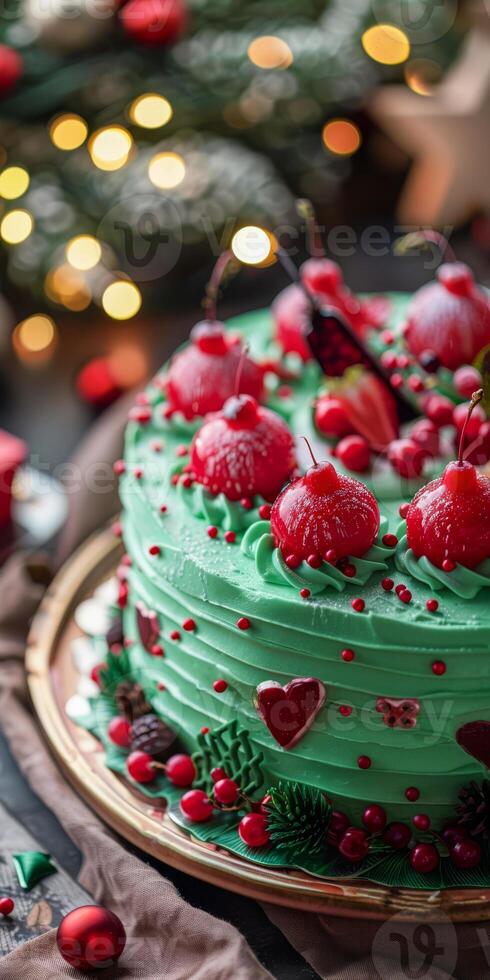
(397, 835)
(424, 858)
(438, 668)
(217, 773)
(421, 821)
(196, 806)
(7, 906)
(253, 830)
(230, 537)
(354, 845)
(189, 625)
(412, 794)
(387, 584)
(358, 605)
(364, 762)
(374, 818)
(305, 593)
(345, 710)
(175, 635)
(264, 512)
(448, 565)
(226, 792)
(403, 510)
(140, 767)
(220, 686)
(119, 732)
(432, 605)
(180, 770)
(405, 596)
(212, 531)
(347, 655)
(390, 540)
(243, 623)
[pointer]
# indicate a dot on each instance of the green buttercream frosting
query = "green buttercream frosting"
(463, 582)
(216, 508)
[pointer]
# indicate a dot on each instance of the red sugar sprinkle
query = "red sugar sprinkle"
(157, 650)
(305, 593)
(175, 635)
(331, 556)
(138, 472)
(230, 537)
(140, 415)
(388, 359)
(358, 605)
(396, 380)
(157, 446)
(387, 584)
(122, 598)
(182, 450)
(439, 668)
(405, 596)
(188, 625)
(160, 686)
(212, 531)
(400, 588)
(265, 512)
(314, 561)
(163, 508)
(412, 794)
(432, 605)
(204, 730)
(345, 710)
(387, 337)
(347, 655)
(448, 565)
(390, 540)
(349, 570)
(364, 762)
(220, 686)
(117, 529)
(154, 549)
(292, 561)
(175, 479)
(187, 480)
(403, 510)
(126, 560)
(243, 623)
(284, 391)
(246, 503)
(119, 467)
(415, 383)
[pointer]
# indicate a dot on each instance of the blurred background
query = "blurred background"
(137, 136)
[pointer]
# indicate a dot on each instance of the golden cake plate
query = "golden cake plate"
(53, 679)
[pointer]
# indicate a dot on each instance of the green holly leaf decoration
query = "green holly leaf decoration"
(298, 818)
(228, 748)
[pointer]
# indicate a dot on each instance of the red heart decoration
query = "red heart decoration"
(289, 711)
(474, 738)
(148, 626)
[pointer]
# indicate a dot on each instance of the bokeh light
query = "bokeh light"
(68, 287)
(254, 246)
(129, 364)
(269, 51)
(16, 226)
(342, 137)
(34, 338)
(83, 252)
(110, 147)
(68, 131)
(14, 182)
(150, 111)
(386, 44)
(121, 300)
(421, 75)
(166, 170)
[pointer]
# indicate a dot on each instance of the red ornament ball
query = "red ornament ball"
(11, 69)
(196, 806)
(374, 818)
(397, 835)
(432, 605)
(226, 792)
(140, 767)
(253, 830)
(243, 451)
(91, 938)
(204, 375)
(154, 22)
(7, 906)
(119, 731)
(354, 845)
(466, 854)
(180, 770)
(424, 858)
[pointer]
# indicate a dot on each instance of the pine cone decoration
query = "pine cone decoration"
(298, 818)
(474, 809)
(131, 701)
(150, 734)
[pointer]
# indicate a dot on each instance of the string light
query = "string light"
(110, 147)
(66, 286)
(270, 52)
(121, 300)
(150, 111)
(254, 246)
(16, 226)
(166, 170)
(386, 44)
(83, 252)
(68, 132)
(34, 338)
(341, 137)
(14, 182)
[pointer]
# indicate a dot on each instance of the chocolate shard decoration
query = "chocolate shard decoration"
(289, 711)
(148, 626)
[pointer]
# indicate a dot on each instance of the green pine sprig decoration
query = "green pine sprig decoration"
(228, 748)
(298, 818)
(116, 670)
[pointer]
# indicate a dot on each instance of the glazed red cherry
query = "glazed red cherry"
(140, 767)
(397, 835)
(354, 845)
(180, 770)
(450, 317)
(407, 457)
(203, 375)
(339, 823)
(331, 418)
(374, 818)
(324, 511)
(426, 434)
(466, 380)
(424, 858)
(196, 806)
(449, 519)
(243, 450)
(354, 453)
(253, 830)
(119, 731)
(217, 773)
(439, 410)
(226, 792)
(466, 854)
(452, 834)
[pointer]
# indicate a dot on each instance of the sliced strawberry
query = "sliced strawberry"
(369, 406)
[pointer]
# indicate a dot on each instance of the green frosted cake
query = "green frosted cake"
(318, 648)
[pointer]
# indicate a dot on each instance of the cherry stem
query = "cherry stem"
(424, 237)
(239, 370)
(315, 462)
(314, 242)
(293, 274)
(223, 264)
(475, 400)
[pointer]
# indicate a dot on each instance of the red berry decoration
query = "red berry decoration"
(324, 511)
(91, 938)
(339, 823)
(412, 794)
(180, 770)
(7, 906)
(217, 773)
(407, 458)
(374, 818)
(226, 792)
(424, 858)
(450, 317)
(466, 380)
(253, 830)
(154, 22)
(421, 821)
(466, 854)
(439, 410)
(11, 69)
(243, 451)
(331, 418)
(119, 731)
(426, 434)
(452, 834)
(472, 424)
(364, 762)
(354, 845)
(354, 453)
(196, 806)
(140, 767)
(449, 519)
(397, 835)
